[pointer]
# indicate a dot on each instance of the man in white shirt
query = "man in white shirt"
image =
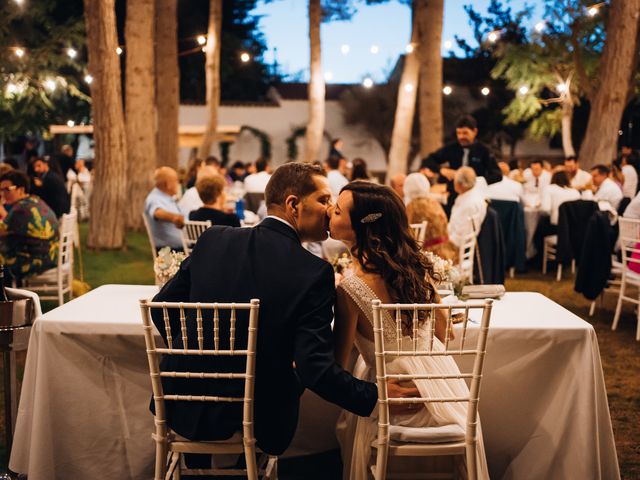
(468, 204)
(630, 183)
(607, 190)
(633, 209)
(335, 174)
(536, 179)
(257, 182)
(505, 189)
(580, 179)
(190, 199)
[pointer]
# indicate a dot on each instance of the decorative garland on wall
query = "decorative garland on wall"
(263, 137)
(292, 145)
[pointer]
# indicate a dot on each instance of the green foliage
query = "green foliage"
(263, 137)
(44, 30)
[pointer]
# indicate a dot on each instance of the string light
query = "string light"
(72, 53)
(245, 57)
(328, 76)
(561, 87)
(523, 90)
(345, 49)
(374, 49)
(119, 50)
(88, 78)
(19, 52)
(485, 91)
(70, 123)
(409, 48)
(367, 82)
(202, 40)
(448, 44)
(18, 2)
(493, 36)
(540, 26)
(408, 87)
(50, 84)
(447, 90)
(12, 88)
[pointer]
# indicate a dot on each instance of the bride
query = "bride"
(388, 265)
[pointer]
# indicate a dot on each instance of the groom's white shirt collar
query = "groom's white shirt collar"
(281, 220)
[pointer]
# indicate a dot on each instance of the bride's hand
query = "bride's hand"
(395, 390)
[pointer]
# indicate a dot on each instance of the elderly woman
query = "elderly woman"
(420, 208)
(211, 191)
(28, 228)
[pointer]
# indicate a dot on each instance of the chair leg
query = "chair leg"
(545, 254)
(559, 274)
(573, 266)
(512, 272)
(616, 317)
(592, 308)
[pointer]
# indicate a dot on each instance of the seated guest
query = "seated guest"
(211, 191)
(191, 200)
(633, 209)
(505, 189)
(469, 203)
(536, 178)
(66, 160)
(420, 208)
(515, 172)
(50, 187)
(629, 177)
(606, 189)
(397, 184)
(28, 232)
(238, 172)
(556, 194)
(257, 182)
(163, 213)
(579, 179)
(359, 170)
(80, 174)
(336, 170)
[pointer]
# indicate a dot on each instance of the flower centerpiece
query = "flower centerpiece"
(166, 264)
(342, 266)
(446, 274)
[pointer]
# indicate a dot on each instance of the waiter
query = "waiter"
(464, 152)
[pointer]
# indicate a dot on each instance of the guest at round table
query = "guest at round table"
(211, 191)
(558, 192)
(420, 208)
(470, 203)
(359, 171)
(28, 230)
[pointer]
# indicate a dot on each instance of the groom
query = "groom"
(296, 292)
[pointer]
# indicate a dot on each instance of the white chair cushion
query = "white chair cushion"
(442, 434)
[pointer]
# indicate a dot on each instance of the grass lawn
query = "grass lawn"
(619, 351)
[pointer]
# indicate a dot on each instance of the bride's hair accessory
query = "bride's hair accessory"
(372, 217)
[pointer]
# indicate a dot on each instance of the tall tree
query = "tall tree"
(212, 70)
(406, 101)
(168, 84)
(106, 225)
(616, 73)
(430, 15)
(315, 122)
(140, 112)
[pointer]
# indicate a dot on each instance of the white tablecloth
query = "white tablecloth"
(84, 406)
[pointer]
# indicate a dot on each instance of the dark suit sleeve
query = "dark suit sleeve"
(175, 290)
(314, 353)
(434, 160)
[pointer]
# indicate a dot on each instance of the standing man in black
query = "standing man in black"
(466, 151)
(50, 187)
(296, 292)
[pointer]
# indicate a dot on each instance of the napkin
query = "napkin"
(483, 291)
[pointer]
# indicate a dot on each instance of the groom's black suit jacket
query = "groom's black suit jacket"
(296, 292)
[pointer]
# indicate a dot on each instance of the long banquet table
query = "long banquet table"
(84, 405)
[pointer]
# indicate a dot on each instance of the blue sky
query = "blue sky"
(385, 26)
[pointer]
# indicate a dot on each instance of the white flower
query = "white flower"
(167, 263)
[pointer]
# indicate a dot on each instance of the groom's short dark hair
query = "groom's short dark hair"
(291, 179)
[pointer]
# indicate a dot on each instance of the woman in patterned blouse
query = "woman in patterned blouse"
(28, 229)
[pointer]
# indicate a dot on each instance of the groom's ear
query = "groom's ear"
(291, 204)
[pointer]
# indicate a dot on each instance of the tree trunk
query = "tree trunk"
(567, 120)
(616, 71)
(106, 225)
(315, 125)
(168, 84)
(212, 70)
(405, 107)
(140, 112)
(429, 15)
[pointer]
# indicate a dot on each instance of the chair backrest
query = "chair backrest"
(190, 232)
(410, 316)
(630, 242)
(206, 323)
(419, 231)
(467, 249)
(154, 250)
(67, 231)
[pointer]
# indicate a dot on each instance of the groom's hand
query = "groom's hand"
(395, 390)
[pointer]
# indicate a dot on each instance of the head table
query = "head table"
(84, 404)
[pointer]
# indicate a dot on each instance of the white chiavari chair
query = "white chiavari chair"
(467, 250)
(461, 446)
(54, 283)
(190, 232)
(630, 246)
(147, 227)
(222, 317)
(419, 231)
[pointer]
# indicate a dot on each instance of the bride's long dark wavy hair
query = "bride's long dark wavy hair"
(386, 246)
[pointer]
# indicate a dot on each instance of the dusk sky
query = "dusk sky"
(385, 26)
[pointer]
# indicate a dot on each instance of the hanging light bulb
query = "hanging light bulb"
(202, 40)
(540, 26)
(18, 2)
(409, 48)
(88, 78)
(408, 87)
(447, 90)
(50, 84)
(367, 82)
(328, 76)
(593, 11)
(561, 87)
(12, 88)
(19, 52)
(485, 91)
(374, 49)
(448, 44)
(70, 123)
(119, 50)
(523, 90)
(245, 57)
(345, 49)
(72, 53)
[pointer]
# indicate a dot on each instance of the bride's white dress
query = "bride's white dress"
(355, 434)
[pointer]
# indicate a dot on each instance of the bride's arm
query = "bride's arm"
(441, 323)
(344, 326)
